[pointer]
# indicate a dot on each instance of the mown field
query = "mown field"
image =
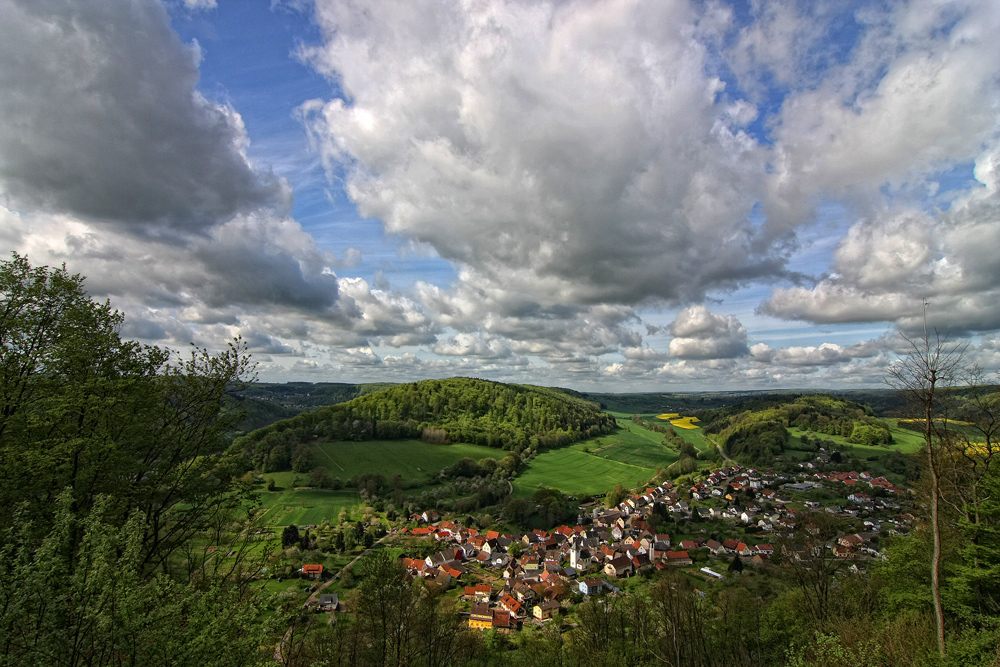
(903, 440)
(576, 472)
(416, 462)
(629, 457)
(591, 467)
(302, 507)
(413, 460)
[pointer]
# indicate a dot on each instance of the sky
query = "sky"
(606, 195)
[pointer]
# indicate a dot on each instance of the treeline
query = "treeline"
(757, 431)
(511, 417)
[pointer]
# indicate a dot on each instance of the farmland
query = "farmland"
(416, 462)
(300, 507)
(413, 460)
(575, 472)
(629, 456)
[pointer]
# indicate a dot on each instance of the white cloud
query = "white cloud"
(572, 153)
(700, 334)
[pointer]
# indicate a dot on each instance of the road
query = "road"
(723, 455)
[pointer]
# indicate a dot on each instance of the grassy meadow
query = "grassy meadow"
(576, 472)
(413, 460)
(416, 462)
(630, 457)
(903, 440)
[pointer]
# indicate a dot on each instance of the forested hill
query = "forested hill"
(454, 410)
(757, 430)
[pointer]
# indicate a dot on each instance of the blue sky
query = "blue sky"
(608, 195)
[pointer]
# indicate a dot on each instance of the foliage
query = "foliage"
(80, 596)
(113, 462)
(82, 409)
(514, 417)
(756, 431)
(396, 622)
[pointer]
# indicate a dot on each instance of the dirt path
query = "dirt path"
(314, 598)
(331, 459)
(723, 455)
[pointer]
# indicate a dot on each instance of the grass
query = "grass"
(575, 472)
(303, 507)
(416, 462)
(413, 460)
(902, 440)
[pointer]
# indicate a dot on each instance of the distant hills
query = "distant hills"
(757, 430)
(508, 416)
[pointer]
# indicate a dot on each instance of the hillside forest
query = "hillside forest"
(508, 417)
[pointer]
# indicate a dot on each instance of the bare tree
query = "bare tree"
(924, 375)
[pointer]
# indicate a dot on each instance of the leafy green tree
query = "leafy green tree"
(80, 596)
(320, 477)
(289, 536)
(615, 496)
(82, 409)
(517, 511)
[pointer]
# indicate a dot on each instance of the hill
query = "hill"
(757, 430)
(479, 412)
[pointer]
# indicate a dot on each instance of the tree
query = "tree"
(320, 477)
(80, 596)
(924, 375)
(289, 536)
(615, 496)
(736, 566)
(82, 409)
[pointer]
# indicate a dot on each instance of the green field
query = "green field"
(629, 457)
(415, 461)
(902, 440)
(302, 507)
(575, 472)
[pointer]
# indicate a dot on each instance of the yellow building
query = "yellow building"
(480, 618)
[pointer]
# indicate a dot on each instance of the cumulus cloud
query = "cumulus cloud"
(915, 96)
(102, 121)
(887, 268)
(554, 333)
(579, 164)
(700, 334)
(576, 153)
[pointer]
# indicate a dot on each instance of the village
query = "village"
(734, 517)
